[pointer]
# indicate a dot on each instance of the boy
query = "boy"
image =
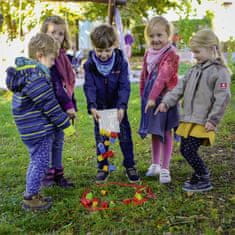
(107, 86)
(36, 112)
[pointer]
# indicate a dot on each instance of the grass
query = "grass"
(173, 212)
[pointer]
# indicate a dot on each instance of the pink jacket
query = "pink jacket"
(167, 74)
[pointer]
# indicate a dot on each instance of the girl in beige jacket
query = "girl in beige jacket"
(206, 92)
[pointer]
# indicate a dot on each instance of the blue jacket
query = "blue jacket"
(106, 92)
(35, 108)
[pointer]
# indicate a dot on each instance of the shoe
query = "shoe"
(198, 183)
(101, 176)
(153, 170)
(165, 176)
(132, 175)
(36, 203)
(61, 181)
(49, 178)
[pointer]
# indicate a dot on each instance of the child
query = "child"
(159, 75)
(206, 93)
(63, 80)
(107, 86)
(36, 112)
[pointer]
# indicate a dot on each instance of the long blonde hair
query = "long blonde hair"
(153, 22)
(58, 21)
(207, 38)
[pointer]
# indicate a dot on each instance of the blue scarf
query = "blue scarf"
(22, 61)
(104, 67)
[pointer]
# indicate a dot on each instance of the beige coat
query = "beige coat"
(205, 91)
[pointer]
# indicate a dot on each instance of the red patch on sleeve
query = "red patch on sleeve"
(223, 85)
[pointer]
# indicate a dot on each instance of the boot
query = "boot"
(60, 180)
(36, 203)
(49, 178)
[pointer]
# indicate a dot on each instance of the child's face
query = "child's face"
(56, 31)
(47, 60)
(104, 53)
(202, 54)
(158, 37)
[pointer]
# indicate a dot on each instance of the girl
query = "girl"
(159, 75)
(206, 93)
(63, 80)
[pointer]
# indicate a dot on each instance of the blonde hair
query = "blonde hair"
(153, 22)
(42, 43)
(58, 21)
(104, 36)
(207, 38)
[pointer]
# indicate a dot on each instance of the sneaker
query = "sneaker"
(132, 175)
(49, 178)
(36, 203)
(165, 176)
(198, 183)
(153, 170)
(101, 176)
(61, 181)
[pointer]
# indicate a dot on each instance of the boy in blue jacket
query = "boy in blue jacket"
(107, 86)
(36, 112)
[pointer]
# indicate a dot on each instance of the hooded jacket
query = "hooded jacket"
(106, 92)
(205, 90)
(35, 109)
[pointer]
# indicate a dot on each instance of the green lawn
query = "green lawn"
(172, 212)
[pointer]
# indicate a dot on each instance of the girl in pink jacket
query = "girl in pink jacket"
(159, 75)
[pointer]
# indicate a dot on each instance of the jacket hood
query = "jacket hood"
(17, 76)
(15, 81)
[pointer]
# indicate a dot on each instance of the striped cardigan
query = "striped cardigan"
(35, 109)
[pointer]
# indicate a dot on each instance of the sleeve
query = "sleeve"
(168, 71)
(41, 92)
(124, 87)
(65, 101)
(172, 97)
(89, 88)
(221, 97)
(143, 75)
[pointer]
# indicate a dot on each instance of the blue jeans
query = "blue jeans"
(125, 142)
(57, 149)
(40, 154)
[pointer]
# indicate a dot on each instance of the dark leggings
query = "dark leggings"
(188, 148)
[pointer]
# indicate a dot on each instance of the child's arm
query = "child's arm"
(61, 95)
(221, 97)
(89, 89)
(45, 100)
(172, 97)
(143, 75)
(124, 87)
(168, 70)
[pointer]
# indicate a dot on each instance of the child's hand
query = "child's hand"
(209, 126)
(150, 104)
(71, 113)
(95, 114)
(120, 114)
(161, 108)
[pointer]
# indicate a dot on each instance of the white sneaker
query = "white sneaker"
(153, 170)
(165, 176)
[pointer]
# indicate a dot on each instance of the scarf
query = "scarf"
(65, 69)
(104, 67)
(154, 57)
